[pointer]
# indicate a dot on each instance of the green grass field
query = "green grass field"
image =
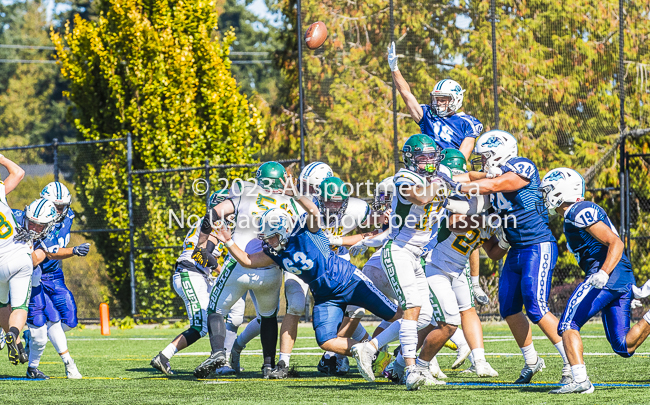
(116, 371)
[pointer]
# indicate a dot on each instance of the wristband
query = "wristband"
(229, 243)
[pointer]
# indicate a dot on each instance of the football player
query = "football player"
(513, 185)
(609, 278)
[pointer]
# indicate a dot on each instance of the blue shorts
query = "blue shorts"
(41, 308)
(329, 311)
(586, 301)
(525, 280)
(60, 298)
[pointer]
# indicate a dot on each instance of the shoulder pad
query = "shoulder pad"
(70, 213)
(521, 166)
(584, 214)
(357, 209)
(239, 187)
(409, 178)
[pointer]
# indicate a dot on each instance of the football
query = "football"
(316, 34)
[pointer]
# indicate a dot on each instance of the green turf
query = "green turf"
(118, 371)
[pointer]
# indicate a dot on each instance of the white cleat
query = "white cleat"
(461, 355)
(71, 371)
(417, 376)
(567, 376)
(364, 354)
(434, 369)
(484, 369)
(585, 387)
(529, 371)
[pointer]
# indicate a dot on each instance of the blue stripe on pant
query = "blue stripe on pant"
(586, 301)
(525, 280)
(328, 311)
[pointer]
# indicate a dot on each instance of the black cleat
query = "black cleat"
(280, 371)
(161, 363)
(12, 348)
(36, 374)
(23, 357)
(327, 366)
(216, 360)
(266, 371)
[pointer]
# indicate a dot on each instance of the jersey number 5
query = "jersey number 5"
(300, 260)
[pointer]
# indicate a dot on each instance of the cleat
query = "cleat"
(416, 377)
(462, 354)
(567, 376)
(23, 357)
(280, 371)
(235, 361)
(342, 366)
(36, 374)
(484, 369)
(225, 370)
(71, 371)
(27, 338)
(364, 354)
(266, 371)
(585, 387)
(327, 366)
(434, 369)
(2, 339)
(528, 372)
(161, 363)
(470, 370)
(451, 345)
(216, 360)
(382, 360)
(12, 348)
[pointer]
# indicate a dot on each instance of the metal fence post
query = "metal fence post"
(394, 94)
(207, 179)
(493, 20)
(628, 197)
(129, 168)
(55, 145)
(300, 90)
(621, 95)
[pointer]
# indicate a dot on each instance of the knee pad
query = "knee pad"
(38, 335)
(192, 335)
(295, 297)
(354, 312)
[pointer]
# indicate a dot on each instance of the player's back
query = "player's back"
(523, 211)
(8, 246)
(589, 252)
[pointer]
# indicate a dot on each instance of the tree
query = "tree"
(155, 69)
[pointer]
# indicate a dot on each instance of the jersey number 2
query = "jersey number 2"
(299, 259)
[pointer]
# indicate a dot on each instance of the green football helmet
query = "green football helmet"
(333, 199)
(268, 177)
(421, 149)
(454, 160)
(218, 196)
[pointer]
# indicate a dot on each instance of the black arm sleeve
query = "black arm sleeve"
(208, 220)
(212, 261)
(209, 247)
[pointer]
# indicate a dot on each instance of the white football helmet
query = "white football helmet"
(496, 147)
(58, 193)
(312, 175)
(447, 88)
(40, 217)
(561, 186)
(275, 221)
(384, 194)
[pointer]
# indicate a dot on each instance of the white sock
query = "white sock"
(400, 360)
(65, 327)
(530, 354)
(471, 359)
(478, 354)
(359, 334)
(170, 351)
(231, 336)
(560, 349)
(647, 317)
(384, 324)
(251, 331)
(408, 338)
(421, 363)
(37, 344)
(66, 358)
(579, 373)
(390, 334)
(57, 337)
(285, 357)
(458, 338)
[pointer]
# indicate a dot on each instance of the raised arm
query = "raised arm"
(214, 216)
(313, 214)
(414, 108)
(16, 174)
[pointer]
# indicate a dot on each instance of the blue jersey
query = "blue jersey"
(589, 252)
(523, 211)
(450, 131)
(308, 256)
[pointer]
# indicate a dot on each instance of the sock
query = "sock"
(269, 337)
(285, 357)
(231, 336)
(327, 355)
(400, 360)
(458, 338)
(217, 332)
(560, 349)
(384, 324)
(579, 373)
(66, 358)
(390, 334)
(249, 333)
(530, 354)
(471, 359)
(359, 334)
(408, 338)
(37, 344)
(57, 337)
(421, 363)
(169, 351)
(15, 331)
(478, 354)
(647, 317)
(66, 327)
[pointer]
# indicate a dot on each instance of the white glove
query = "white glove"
(392, 57)
(493, 172)
(598, 280)
(642, 292)
(635, 304)
(480, 295)
(335, 240)
(358, 248)
(503, 242)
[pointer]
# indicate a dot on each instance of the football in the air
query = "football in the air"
(316, 34)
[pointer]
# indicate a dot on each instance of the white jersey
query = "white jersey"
(410, 223)
(250, 202)
(355, 214)
(190, 242)
(8, 246)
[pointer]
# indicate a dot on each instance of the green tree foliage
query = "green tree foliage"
(155, 69)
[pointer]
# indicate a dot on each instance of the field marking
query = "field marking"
(259, 352)
(485, 338)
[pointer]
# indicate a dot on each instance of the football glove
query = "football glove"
(358, 248)
(335, 240)
(81, 250)
(22, 235)
(201, 257)
(598, 280)
(642, 292)
(635, 304)
(493, 172)
(503, 242)
(392, 57)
